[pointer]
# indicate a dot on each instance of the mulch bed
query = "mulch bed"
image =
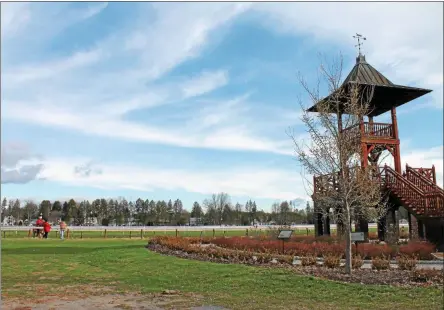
(393, 277)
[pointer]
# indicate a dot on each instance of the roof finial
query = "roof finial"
(359, 37)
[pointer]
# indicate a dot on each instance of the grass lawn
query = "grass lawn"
(137, 234)
(147, 233)
(126, 266)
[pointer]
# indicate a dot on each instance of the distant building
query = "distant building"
(91, 221)
(8, 220)
(195, 221)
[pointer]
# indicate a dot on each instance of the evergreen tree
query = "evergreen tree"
(197, 211)
(56, 206)
(45, 208)
(3, 211)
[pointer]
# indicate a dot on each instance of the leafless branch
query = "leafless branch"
(333, 155)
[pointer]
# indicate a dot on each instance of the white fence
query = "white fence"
(172, 228)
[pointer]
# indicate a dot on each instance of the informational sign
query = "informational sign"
(357, 236)
(285, 234)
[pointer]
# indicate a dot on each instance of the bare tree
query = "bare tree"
(215, 206)
(30, 209)
(344, 186)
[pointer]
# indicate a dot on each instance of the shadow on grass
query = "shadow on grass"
(60, 250)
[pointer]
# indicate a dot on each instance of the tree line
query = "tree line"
(216, 210)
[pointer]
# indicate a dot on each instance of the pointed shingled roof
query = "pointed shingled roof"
(364, 73)
(386, 94)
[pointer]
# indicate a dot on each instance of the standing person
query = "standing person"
(46, 228)
(38, 223)
(62, 229)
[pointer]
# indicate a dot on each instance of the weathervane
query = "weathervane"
(359, 37)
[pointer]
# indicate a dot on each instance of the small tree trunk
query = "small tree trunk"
(348, 246)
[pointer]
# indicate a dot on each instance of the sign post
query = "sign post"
(284, 234)
(357, 237)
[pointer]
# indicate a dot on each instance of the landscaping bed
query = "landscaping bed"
(319, 247)
(216, 250)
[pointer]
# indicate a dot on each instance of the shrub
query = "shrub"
(426, 275)
(327, 249)
(380, 263)
(357, 262)
(308, 261)
(332, 261)
(406, 262)
(420, 249)
(286, 259)
(264, 258)
(373, 235)
(306, 246)
(369, 251)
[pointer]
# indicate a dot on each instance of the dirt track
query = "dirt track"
(171, 300)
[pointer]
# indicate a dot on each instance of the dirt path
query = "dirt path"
(103, 299)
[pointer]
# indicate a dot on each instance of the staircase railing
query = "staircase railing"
(404, 189)
(422, 182)
(421, 202)
(418, 199)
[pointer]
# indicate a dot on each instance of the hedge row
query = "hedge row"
(418, 249)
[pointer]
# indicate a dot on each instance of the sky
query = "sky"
(182, 100)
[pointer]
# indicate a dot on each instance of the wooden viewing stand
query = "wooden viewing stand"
(415, 189)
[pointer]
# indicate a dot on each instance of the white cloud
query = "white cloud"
(180, 32)
(251, 181)
(43, 21)
(246, 181)
(404, 40)
(18, 164)
(51, 69)
(204, 83)
(95, 101)
(94, 9)
(422, 159)
(69, 93)
(228, 138)
(14, 17)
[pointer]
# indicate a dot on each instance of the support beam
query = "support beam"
(364, 149)
(421, 230)
(413, 227)
(317, 219)
(370, 120)
(434, 174)
(397, 159)
(397, 155)
(382, 223)
(326, 225)
(392, 226)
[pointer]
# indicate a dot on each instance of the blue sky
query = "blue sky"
(181, 100)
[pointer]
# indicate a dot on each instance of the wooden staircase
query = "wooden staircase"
(415, 189)
(418, 194)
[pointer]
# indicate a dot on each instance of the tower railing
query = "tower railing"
(371, 130)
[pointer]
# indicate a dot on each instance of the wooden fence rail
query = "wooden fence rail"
(138, 232)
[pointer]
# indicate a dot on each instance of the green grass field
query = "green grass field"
(126, 266)
(145, 234)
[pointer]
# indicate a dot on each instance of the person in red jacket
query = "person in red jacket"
(38, 223)
(46, 229)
